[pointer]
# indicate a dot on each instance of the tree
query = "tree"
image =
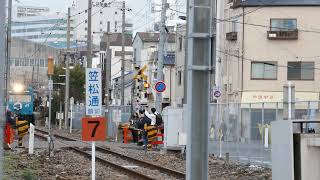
(77, 83)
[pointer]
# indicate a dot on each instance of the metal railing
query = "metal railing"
(243, 131)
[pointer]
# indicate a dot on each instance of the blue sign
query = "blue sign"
(160, 86)
(217, 93)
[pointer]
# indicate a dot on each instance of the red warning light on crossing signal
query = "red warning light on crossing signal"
(146, 85)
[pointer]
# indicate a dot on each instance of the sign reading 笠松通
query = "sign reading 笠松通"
(93, 92)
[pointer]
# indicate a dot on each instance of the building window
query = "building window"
(11, 61)
(42, 63)
(85, 29)
(101, 12)
(300, 70)
(17, 62)
(86, 11)
(101, 22)
(264, 70)
(27, 62)
(179, 78)
(36, 62)
(101, 30)
(31, 62)
(22, 62)
(85, 21)
(283, 24)
(115, 12)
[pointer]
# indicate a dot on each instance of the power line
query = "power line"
(268, 62)
(262, 5)
(266, 26)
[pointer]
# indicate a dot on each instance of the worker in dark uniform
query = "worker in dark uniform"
(133, 120)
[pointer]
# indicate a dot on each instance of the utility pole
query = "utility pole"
(199, 66)
(66, 99)
(123, 50)
(161, 52)
(2, 79)
(108, 69)
(89, 37)
(8, 50)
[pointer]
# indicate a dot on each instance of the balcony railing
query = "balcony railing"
(231, 36)
(282, 35)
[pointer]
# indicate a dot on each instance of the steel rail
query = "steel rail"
(161, 169)
(103, 161)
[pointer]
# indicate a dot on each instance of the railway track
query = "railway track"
(132, 166)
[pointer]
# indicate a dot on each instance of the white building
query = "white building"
(27, 11)
(114, 45)
(48, 29)
(104, 14)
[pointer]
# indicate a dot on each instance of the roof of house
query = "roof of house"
(154, 37)
(115, 39)
(255, 3)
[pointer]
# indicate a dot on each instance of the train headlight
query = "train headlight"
(18, 88)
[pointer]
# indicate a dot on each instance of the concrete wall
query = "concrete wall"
(24, 51)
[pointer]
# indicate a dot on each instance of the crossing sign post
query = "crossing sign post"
(94, 128)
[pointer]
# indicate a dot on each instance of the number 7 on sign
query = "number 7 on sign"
(94, 129)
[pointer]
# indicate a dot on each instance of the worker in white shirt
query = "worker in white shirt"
(151, 116)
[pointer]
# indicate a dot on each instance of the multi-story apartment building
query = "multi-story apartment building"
(265, 45)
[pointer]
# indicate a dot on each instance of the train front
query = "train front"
(21, 101)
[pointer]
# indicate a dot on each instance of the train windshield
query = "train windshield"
(20, 98)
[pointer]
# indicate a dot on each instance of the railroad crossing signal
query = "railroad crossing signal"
(141, 74)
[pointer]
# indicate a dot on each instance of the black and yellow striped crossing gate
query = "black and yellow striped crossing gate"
(22, 127)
